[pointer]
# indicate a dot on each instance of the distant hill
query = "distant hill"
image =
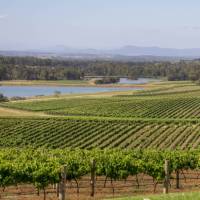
(157, 51)
(134, 53)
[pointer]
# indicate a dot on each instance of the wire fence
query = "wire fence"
(104, 187)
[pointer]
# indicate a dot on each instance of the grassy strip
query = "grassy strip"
(43, 82)
(15, 113)
(70, 83)
(108, 119)
(177, 196)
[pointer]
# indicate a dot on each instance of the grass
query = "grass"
(47, 83)
(79, 83)
(6, 112)
(177, 196)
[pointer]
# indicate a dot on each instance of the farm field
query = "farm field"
(165, 117)
(99, 100)
(179, 101)
(102, 133)
(130, 107)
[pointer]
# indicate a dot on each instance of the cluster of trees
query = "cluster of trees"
(3, 98)
(31, 68)
(107, 80)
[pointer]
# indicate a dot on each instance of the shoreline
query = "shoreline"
(57, 84)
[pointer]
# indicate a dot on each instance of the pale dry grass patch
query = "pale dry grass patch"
(7, 112)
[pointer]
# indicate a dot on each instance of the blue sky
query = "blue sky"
(26, 24)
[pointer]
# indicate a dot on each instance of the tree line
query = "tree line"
(32, 68)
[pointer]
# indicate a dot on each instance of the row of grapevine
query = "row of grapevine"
(41, 167)
(174, 108)
(62, 133)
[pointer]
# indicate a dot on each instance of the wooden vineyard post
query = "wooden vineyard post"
(62, 184)
(177, 180)
(92, 183)
(166, 180)
(57, 189)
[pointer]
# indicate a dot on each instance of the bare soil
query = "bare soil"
(189, 181)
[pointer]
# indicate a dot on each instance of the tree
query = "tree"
(3, 98)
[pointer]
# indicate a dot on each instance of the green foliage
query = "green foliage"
(3, 98)
(107, 80)
(166, 103)
(160, 118)
(42, 167)
(102, 133)
(32, 68)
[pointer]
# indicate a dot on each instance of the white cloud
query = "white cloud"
(3, 16)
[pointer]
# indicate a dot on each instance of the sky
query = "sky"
(101, 24)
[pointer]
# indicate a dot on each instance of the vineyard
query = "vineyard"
(109, 145)
(153, 118)
(41, 168)
(90, 133)
(180, 102)
(152, 108)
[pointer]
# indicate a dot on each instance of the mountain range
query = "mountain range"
(126, 52)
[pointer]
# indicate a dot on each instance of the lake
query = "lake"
(137, 81)
(29, 91)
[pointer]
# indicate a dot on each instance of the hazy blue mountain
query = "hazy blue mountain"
(123, 53)
(129, 51)
(156, 51)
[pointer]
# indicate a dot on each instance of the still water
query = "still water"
(28, 91)
(137, 81)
